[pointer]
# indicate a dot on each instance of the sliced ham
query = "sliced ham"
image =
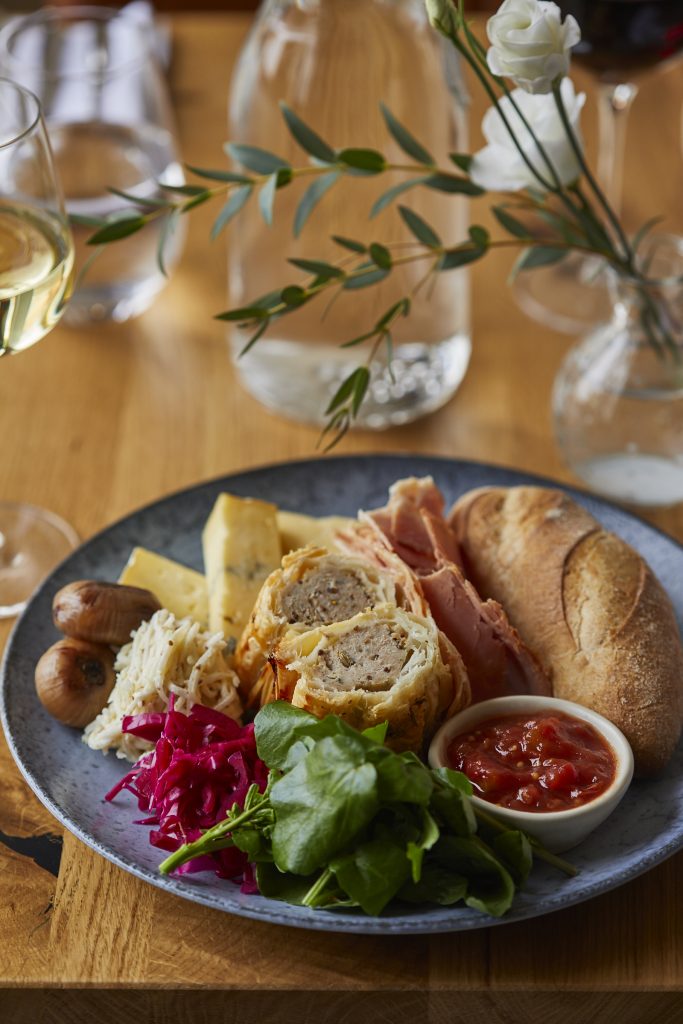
(411, 539)
(497, 660)
(413, 522)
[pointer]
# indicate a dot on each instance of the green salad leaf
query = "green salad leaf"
(372, 873)
(322, 804)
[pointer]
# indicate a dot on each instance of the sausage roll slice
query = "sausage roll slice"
(384, 664)
(312, 587)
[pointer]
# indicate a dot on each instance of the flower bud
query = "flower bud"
(442, 16)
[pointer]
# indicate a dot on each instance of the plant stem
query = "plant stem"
(538, 849)
(548, 186)
(311, 897)
(205, 842)
(590, 178)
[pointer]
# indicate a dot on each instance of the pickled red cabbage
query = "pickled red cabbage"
(202, 765)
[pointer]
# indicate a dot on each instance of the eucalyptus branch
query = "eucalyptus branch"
(238, 188)
(373, 264)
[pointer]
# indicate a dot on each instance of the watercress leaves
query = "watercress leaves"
(437, 885)
(322, 804)
(514, 849)
(373, 873)
(490, 887)
(281, 885)
(278, 727)
(402, 778)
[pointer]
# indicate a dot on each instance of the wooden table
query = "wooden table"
(99, 422)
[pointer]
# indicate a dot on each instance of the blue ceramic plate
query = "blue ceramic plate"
(71, 780)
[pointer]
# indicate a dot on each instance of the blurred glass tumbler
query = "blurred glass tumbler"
(110, 126)
(333, 62)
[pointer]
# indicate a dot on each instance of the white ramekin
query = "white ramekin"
(557, 830)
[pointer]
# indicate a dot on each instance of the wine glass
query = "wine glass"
(620, 40)
(36, 260)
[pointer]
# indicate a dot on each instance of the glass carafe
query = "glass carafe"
(333, 62)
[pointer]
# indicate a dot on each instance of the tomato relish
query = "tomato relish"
(542, 762)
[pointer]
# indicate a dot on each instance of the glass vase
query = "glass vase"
(333, 62)
(618, 397)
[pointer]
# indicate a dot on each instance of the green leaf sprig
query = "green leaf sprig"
(346, 822)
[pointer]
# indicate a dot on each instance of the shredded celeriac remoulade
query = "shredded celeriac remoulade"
(165, 656)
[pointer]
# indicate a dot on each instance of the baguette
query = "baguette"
(587, 604)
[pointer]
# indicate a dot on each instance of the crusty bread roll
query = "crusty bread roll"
(586, 603)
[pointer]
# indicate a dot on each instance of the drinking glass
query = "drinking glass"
(107, 110)
(620, 40)
(36, 260)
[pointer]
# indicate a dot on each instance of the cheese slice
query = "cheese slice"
(241, 548)
(179, 589)
(297, 531)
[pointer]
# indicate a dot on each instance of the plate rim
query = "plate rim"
(276, 912)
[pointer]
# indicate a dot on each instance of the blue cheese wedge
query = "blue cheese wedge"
(242, 547)
(180, 590)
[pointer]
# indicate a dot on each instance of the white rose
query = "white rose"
(499, 167)
(530, 44)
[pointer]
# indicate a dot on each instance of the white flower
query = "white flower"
(499, 167)
(530, 44)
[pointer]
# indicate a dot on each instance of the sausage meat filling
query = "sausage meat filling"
(368, 658)
(324, 595)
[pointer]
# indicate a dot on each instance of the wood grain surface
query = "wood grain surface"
(101, 421)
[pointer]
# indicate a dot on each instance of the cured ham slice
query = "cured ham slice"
(497, 660)
(411, 539)
(413, 522)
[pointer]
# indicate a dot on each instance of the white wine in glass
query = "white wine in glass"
(36, 256)
(36, 261)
